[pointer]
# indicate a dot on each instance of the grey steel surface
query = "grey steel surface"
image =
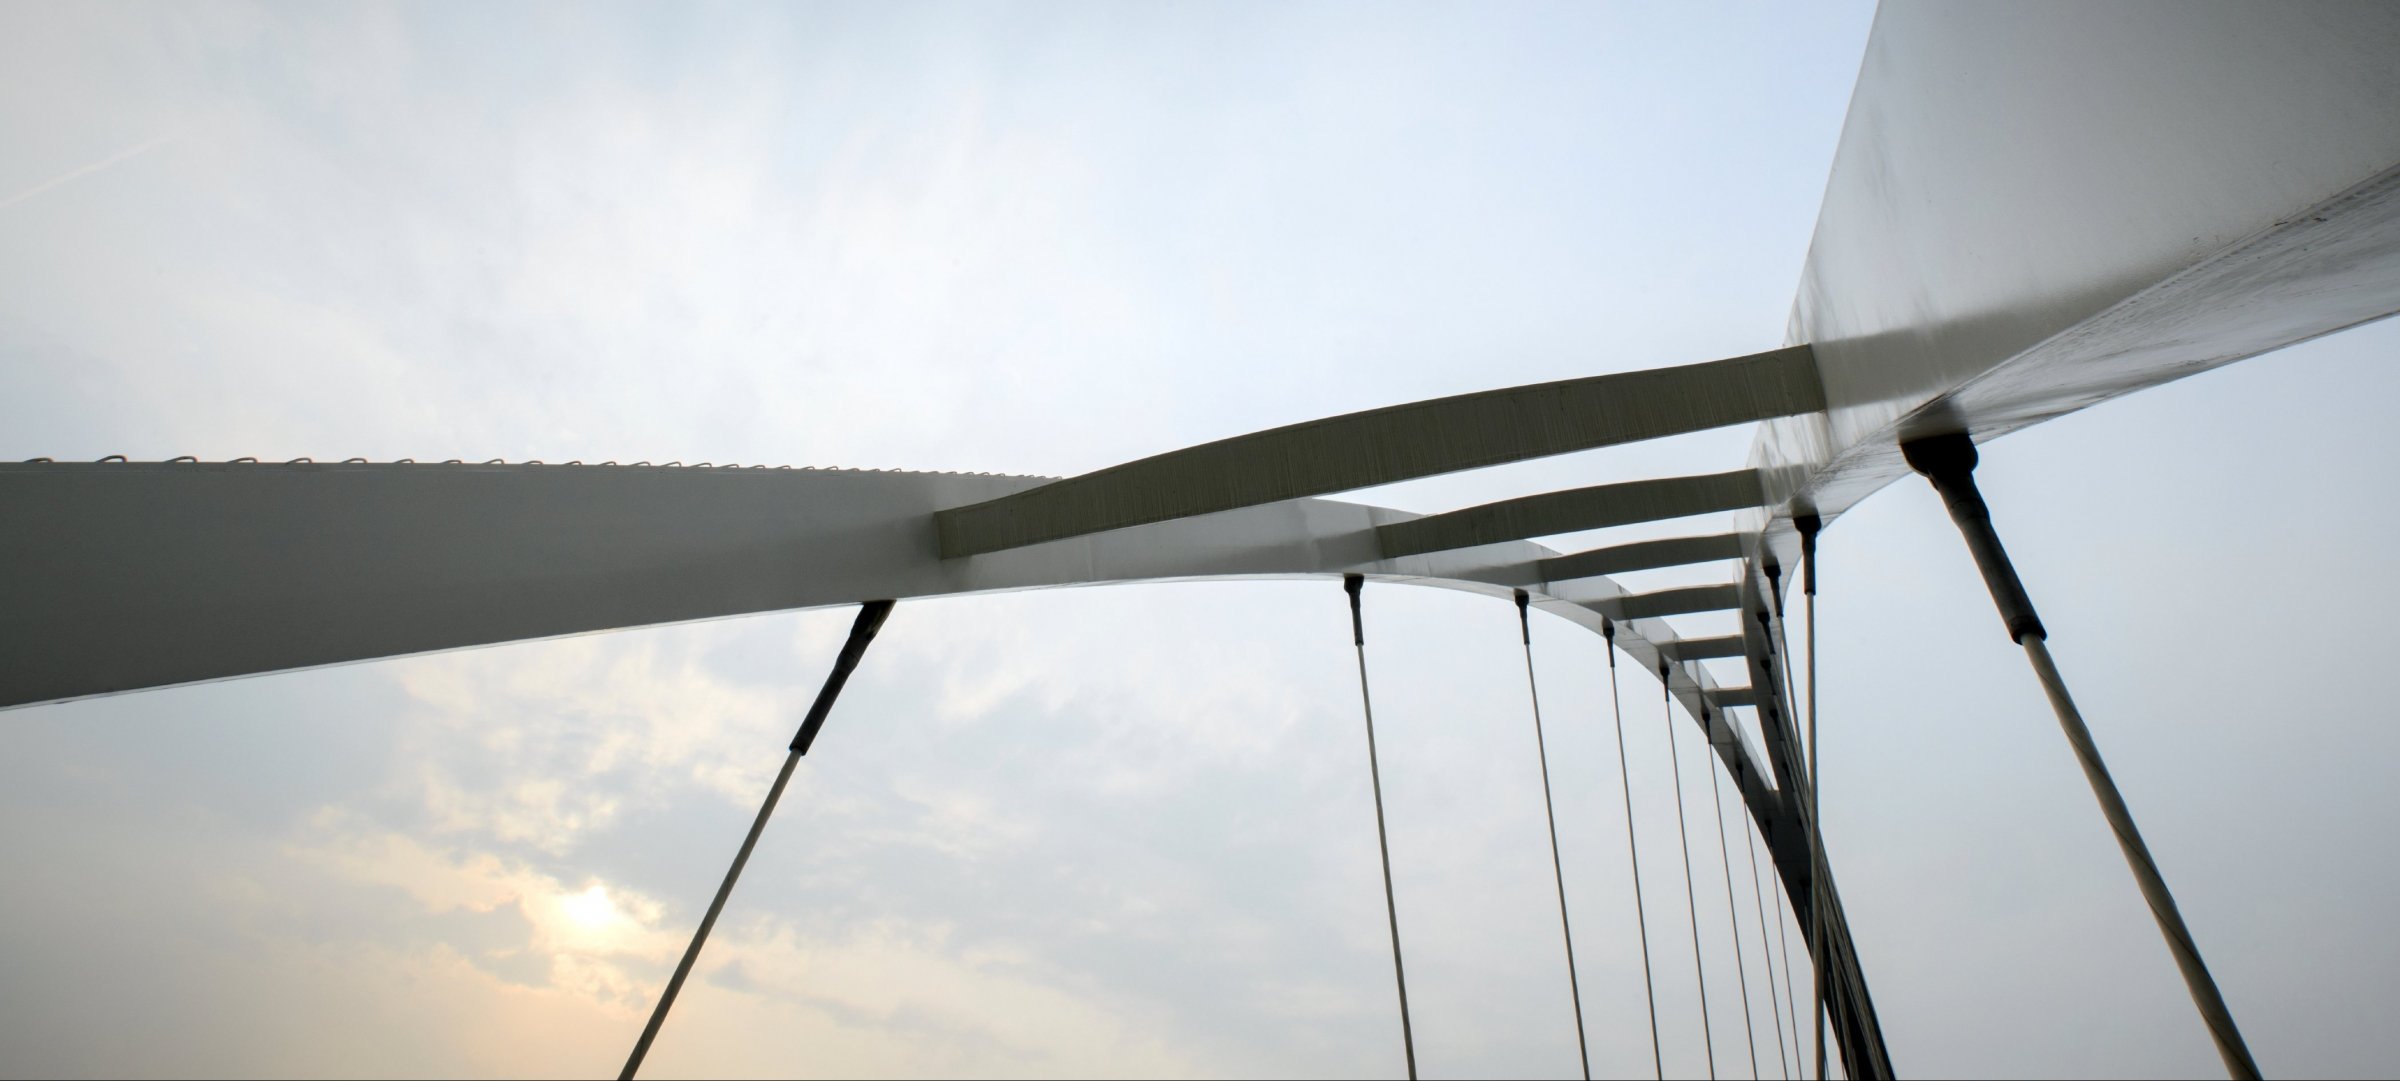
(1724, 698)
(1676, 602)
(1402, 442)
(1693, 649)
(1550, 513)
(1645, 555)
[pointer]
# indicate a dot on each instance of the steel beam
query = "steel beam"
(1597, 507)
(1643, 556)
(1674, 602)
(1402, 442)
(1684, 650)
(1724, 698)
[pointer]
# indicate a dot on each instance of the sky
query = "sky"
(1120, 832)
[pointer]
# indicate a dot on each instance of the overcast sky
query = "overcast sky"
(1121, 831)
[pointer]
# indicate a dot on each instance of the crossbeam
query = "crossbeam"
(1597, 507)
(1725, 698)
(1681, 650)
(1642, 556)
(1397, 443)
(1674, 602)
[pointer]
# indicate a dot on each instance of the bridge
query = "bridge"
(2005, 238)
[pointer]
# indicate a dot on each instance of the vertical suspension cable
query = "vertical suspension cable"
(1353, 583)
(1779, 648)
(1633, 851)
(1791, 1000)
(1557, 868)
(1766, 949)
(1780, 643)
(862, 634)
(1733, 917)
(1809, 526)
(1691, 903)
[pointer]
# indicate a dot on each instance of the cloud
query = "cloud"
(910, 994)
(528, 777)
(585, 935)
(556, 741)
(972, 1010)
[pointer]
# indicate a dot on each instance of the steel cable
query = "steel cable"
(1353, 584)
(1633, 850)
(1733, 912)
(1781, 644)
(1766, 949)
(1791, 998)
(862, 634)
(1557, 868)
(1810, 526)
(1691, 902)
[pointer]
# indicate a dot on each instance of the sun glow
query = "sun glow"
(590, 910)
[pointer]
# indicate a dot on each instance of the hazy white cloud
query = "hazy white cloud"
(580, 932)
